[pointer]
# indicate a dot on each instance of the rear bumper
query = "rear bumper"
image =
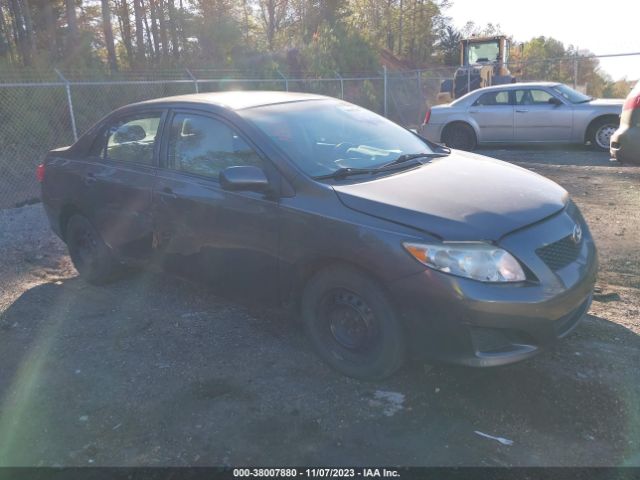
(53, 215)
(625, 145)
(431, 132)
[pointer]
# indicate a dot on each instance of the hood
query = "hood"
(461, 197)
(607, 102)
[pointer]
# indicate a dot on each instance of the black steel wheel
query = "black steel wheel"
(352, 324)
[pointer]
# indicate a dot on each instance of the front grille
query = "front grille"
(559, 254)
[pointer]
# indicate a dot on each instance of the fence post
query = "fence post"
(575, 70)
(384, 72)
(67, 87)
(341, 84)
(286, 80)
(195, 80)
(419, 96)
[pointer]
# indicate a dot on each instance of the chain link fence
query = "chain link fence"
(54, 108)
(38, 114)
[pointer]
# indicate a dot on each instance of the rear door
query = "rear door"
(227, 238)
(537, 120)
(119, 181)
(493, 113)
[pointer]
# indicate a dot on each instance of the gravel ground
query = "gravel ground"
(155, 370)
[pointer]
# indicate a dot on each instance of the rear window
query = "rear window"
(130, 139)
(493, 98)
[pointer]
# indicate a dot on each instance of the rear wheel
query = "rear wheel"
(90, 255)
(600, 133)
(459, 136)
(352, 324)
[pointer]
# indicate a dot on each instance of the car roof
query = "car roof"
(511, 86)
(236, 100)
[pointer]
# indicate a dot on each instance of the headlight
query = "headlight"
(479, 261)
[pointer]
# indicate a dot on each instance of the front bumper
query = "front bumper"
(462, 321)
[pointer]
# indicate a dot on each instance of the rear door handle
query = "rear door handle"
(473, 111)
(522, 111)
(168, 192)
(90, 178)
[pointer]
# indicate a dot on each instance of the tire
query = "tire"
(600, 132)
(91, 257)
(460, 136)
(352, 324)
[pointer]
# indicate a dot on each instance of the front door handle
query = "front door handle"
(522, 111)
(90, 178)
(474, 111)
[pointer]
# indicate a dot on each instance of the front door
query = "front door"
(227, 238)
(538, 120)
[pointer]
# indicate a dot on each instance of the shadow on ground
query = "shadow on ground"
(155, 370)
(549, 154)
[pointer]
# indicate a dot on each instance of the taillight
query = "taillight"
(427, 116)
(632, 103)
(40, 173)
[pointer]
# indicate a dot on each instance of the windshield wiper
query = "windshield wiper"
(345, 172)
(413, 156)
(399, 162)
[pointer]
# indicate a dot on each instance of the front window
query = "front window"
(533, 97)
(205, 146)
(484, 52)
(570, 94)
(322, 136)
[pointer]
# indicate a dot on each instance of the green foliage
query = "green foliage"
(449, 45)
(336, 49)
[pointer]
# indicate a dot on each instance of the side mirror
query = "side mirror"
(244, 178)
(555, 101)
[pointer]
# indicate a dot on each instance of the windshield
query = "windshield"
(323, 136)
(484, 52)
(570, 94)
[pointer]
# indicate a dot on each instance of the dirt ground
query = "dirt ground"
(155, 370)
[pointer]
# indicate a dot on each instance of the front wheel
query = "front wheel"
(601, 132)
(352, 324)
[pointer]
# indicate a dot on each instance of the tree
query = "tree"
(124, 21)
(72, 23)
(273, 13)
(108, 35)
(449, 45)
(175, 47)
(22, 29)
(138, 16)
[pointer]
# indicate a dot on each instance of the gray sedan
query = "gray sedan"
(523, 113)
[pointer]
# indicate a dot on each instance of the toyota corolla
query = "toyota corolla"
(388, 246)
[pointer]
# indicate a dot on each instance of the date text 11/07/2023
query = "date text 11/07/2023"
(315, 472)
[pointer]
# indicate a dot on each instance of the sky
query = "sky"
(602, 28)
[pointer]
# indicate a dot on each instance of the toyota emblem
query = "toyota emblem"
(576, 236)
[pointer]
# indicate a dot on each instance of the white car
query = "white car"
(523, 113)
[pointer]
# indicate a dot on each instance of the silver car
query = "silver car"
(523, 113)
